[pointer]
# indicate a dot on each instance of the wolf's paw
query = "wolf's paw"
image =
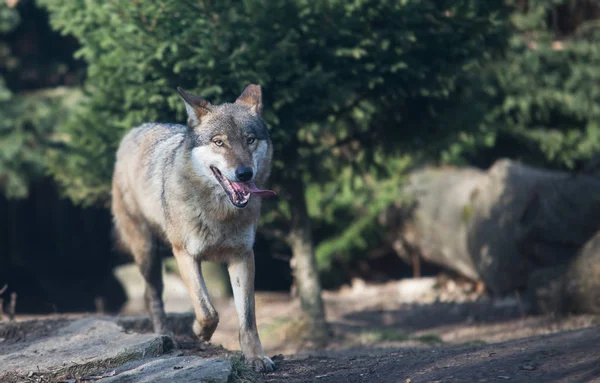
(261, 364)
(169, 341)
(204, 331)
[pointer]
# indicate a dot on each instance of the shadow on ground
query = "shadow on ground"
(571, 356)
(416, 317)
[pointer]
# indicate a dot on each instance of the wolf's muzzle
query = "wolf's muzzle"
(244, 173)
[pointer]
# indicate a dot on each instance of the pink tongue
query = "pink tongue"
(261, 193)
(251, 187)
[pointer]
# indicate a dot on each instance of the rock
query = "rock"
(440, 216)
(467, 220)
(572, 287)
(527, 367)
(415, 289)
(582, 281)
(80, 347)
(173, 369)
(497, 209)
(179, 323)
(512, 228)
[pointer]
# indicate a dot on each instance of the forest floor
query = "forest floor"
(422, 330)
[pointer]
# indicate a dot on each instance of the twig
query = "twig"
(13, 306)
(99, 302)
(3, 289)
(479, 288)
(416, 265)
(519, 305)
(158, 13)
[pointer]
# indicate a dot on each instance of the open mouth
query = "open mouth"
(239, 192)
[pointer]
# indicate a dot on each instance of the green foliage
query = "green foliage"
(351, 209)
(541, 101)
(347, 86)
(26, 130)
(27, 119)
(9, 19)
(342, 80)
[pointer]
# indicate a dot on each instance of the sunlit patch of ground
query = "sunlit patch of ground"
(386, 316)
(409, 329)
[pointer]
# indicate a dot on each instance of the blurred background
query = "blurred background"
(415, 140)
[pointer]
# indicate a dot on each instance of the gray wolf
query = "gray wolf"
(198, 188)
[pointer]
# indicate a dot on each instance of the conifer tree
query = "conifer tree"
(540, 100)
(28, 114)
(345, 84)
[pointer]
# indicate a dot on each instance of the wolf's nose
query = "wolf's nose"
(244, 174)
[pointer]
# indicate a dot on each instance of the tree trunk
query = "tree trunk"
(304, 266)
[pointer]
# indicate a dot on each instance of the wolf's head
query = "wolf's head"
(230, 143)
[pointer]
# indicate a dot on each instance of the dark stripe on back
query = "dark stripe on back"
(148, 155)
(163, 193)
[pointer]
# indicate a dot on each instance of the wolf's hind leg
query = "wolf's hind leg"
(150, 264)
(207, 317)
(139, 241)
(135, 236)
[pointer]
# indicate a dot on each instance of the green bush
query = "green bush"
(341, 79)
(28, 117)
(347, 86)
(541, 100)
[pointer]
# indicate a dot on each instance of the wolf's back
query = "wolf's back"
(145, 162)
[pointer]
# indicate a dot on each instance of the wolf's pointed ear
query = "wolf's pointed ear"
(196, 107)
(251, 98)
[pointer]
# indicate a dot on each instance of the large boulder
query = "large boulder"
(186, 369)
(80, 347)
(494, 224)
(573, 286)
(97, 348)
(513, 227)
(439, 217)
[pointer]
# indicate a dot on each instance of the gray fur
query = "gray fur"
(163, 186)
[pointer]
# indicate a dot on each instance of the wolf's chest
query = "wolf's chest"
(218, 240)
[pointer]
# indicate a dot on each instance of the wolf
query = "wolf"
(197, 187)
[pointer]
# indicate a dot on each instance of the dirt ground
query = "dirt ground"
(415, 331)
(446, 334)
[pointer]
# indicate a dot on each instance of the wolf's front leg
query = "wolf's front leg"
(241, 273)
(207, 317)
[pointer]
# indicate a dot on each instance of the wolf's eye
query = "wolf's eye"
(251, 140)
(218, 142)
